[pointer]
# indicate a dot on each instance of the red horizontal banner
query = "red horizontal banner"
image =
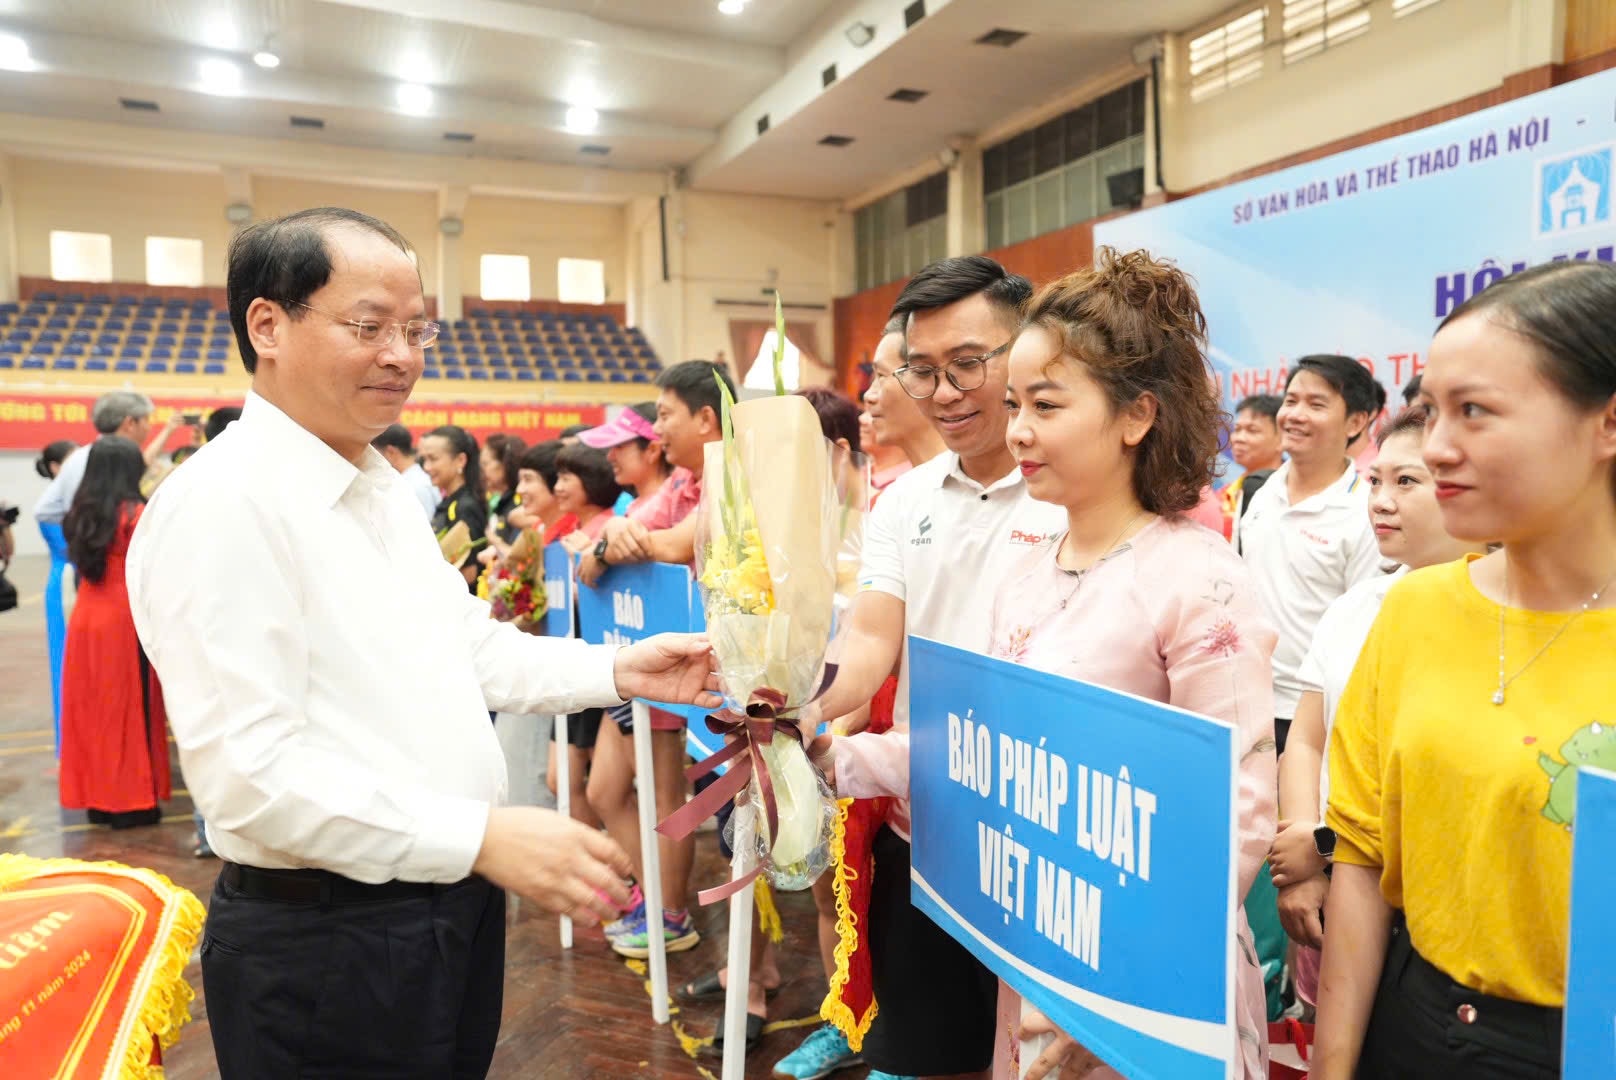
(29, 421)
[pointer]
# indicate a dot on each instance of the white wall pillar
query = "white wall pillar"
(450, 286)
(966, 227)
(8, 236)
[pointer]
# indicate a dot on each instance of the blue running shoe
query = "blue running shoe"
(822, 1053)
(877, 1074)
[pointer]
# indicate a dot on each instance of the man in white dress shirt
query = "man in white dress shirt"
(328, 681)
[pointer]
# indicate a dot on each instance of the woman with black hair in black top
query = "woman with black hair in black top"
(449, 456)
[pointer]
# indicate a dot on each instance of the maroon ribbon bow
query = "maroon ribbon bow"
(766, 715)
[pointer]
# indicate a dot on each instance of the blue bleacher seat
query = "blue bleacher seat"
(165, 339)
(74, 348)
(132, 352)
(595, 376)
(162, 353)
(572, 376)
(126, 365)
(104, 350)
(73, 298)
(31, 321)
(125, 300)
(168, 326)
(49, 337)
(454, 373)
(192, 341)
(502, 373)
(157, 367)
(95, 364)
(213, 369)
(617, 377)
(11, 348)
(45, 298)
(478, 373)
(525, 375)
(141, 325)
(218, 355)
(64, 363)
(429, 372)
(185, 367)
(57, 322)
(32, 363)
(101, 298)
(115, 325)
(190, 354)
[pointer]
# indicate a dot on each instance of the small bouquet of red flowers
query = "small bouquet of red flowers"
(514, 585)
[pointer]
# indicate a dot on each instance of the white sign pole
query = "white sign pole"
(650, 861)
(739, 964)
(563, 798)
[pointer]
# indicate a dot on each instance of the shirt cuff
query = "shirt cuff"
(448, 836)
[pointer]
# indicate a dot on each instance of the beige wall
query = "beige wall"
(730, 247)
(1402, 66)
(127, 204)
(413, 213)
(544, 231)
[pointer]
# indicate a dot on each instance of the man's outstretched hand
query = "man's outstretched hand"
(677, 668)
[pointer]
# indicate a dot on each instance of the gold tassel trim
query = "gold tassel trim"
(165, 1006)
(834, 1010)
(768, 916)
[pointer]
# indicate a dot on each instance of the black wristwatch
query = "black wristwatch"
(1324, 841)
(600, 551)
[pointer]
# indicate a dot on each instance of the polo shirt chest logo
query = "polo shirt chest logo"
(1028, 539)
(1315, 538)
(920, 537)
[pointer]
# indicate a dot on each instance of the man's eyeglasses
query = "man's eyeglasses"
(381, 332)
(965, 374)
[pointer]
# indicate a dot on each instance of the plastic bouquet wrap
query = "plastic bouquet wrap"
(779, 502)
(514, 585)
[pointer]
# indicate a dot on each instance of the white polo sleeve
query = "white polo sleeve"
(881, 566)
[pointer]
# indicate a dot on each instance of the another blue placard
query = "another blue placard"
(558, 591)
(1081, 842)
(631, 603)
(1590, 1011)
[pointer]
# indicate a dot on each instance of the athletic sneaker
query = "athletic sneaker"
(877, 1074)
(678, 933)
(635, 916)
(822, 1053)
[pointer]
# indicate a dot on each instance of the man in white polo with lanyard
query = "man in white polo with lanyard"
(932, 547)
(1306, 533)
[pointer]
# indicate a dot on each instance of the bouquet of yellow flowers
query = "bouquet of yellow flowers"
(778, 504)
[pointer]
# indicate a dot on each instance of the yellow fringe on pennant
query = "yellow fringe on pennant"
(834, 1010)
(165, 1006)
(768, 916)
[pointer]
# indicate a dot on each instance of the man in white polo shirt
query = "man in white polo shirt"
(932, 549)
(1306, 533)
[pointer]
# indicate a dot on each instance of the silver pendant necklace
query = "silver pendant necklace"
(1115, 548)
(1503, 683)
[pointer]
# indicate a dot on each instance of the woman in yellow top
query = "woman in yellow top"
(1481, 688)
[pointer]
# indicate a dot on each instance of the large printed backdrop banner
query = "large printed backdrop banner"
(1590, 1015)
(29, 421)
(1081, 842)
(1364, 252)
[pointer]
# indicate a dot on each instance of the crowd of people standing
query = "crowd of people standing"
(1402, 811)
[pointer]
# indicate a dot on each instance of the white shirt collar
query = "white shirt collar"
(326, 473)
(954, 471)
(1340, 488)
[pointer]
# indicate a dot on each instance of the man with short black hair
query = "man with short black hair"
(331, 705)
(397, 445)
(934, 547)
(1254, 445)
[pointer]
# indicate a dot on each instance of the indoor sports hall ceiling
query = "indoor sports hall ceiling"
(673, 84)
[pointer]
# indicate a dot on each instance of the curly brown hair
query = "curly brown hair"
(1136, 326)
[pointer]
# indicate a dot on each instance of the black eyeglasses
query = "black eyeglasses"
(965, 374)
(381, 332)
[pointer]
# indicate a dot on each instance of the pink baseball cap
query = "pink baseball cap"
(629, 425)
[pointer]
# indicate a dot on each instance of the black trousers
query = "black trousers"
(937, 1004)
(396, 988)
(1426, 1025)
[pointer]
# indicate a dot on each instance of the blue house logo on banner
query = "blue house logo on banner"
(1081, 843)
(1590, 1011)
(1573, 192)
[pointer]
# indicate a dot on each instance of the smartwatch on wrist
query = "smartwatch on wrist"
(600, 551)
(1324, 842)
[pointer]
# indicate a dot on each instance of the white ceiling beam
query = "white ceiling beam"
(130, 64)
(508, 17)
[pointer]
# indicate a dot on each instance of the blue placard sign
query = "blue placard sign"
(1590, 1010)
(558, 591)
(1081, 842)
(631, 603)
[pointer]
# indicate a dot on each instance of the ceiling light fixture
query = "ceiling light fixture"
(731, 7)
(414, 98)
(14, 55)
(860, 34)
(582, 119)
(266, 59)
(220, 76)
